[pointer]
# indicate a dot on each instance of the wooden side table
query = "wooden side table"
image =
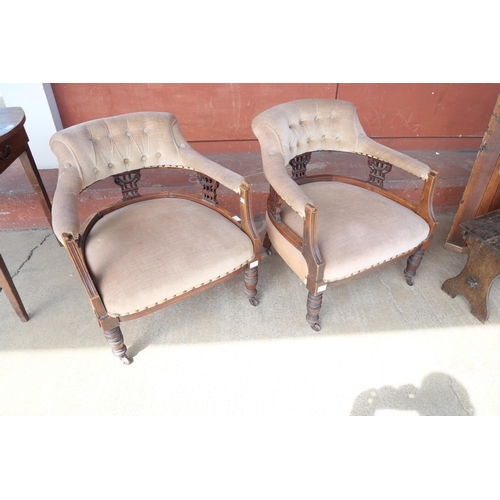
(482, 242)
(14, 145)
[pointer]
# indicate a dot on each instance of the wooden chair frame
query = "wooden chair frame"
(308, 244)
(76, 249)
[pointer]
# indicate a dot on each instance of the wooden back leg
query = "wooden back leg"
(267, 245)
(412, 264)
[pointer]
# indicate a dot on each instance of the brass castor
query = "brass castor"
(126, 360)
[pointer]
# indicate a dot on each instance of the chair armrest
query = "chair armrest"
(65, 218)
(369, 147)
(193, 159)
(290, 192)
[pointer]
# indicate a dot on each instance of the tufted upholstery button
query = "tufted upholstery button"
(143, 158)
(323, 137)
(129, 133)
(183, 145)
(110, 136)
(110, 165)
(125, 160)
(146, 130)
(158, 155)
(272, 152)
(95, 170)
(308, 140)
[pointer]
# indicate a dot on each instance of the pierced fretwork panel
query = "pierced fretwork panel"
(128, 182)
(378, 171)
(299, 165)
(209, 186)
(275, 202)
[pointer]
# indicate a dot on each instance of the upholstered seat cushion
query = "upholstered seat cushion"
(357, 229)
(150, 251)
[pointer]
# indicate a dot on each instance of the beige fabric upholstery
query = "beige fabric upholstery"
(302, 126)
(94, 150)
(151, 251)
(357, 229)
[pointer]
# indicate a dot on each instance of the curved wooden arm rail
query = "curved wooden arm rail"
(145, 252)
(330, 229)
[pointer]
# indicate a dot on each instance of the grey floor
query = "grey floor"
(385, 348)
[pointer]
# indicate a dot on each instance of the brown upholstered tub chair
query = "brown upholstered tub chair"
(146, 252)
(329, 228)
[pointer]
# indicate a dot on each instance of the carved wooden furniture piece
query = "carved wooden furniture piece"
(14, 145)
(482, 193)
(148, 251)
(482, 243)
(330, 229)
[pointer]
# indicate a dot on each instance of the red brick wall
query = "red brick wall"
(217, 117)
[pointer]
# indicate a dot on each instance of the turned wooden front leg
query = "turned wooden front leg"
(251, 279)
(115, 339)
(474, 282)
(313, 309)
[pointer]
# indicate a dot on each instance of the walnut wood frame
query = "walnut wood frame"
(308, 244)
(128, 182)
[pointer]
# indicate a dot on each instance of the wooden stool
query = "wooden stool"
(482, 242)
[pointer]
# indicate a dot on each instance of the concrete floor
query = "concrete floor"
(385, 348)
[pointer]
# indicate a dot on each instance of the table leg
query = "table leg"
(29, 165)
(8, 287)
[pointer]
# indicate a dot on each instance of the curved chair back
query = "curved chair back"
(109, 146)
(307, 125)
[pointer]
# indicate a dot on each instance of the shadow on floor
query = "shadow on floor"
(439, 395)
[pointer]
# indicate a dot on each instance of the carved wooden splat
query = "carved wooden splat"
(378, 171)
(128, 183)
(275, 202)
(209, 186)
(299, 165)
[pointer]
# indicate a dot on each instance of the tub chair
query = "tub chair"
(330, 229)
(145, 252)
